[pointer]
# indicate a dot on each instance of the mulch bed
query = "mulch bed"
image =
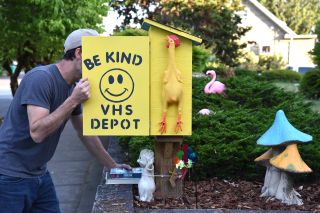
(222, 194)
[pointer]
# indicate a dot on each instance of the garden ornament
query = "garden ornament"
(205, 112)
(282, 159)
(214, 86)
(172, 86)
(146, 185)
(185, 159)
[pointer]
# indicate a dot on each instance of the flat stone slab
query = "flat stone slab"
(113, 198)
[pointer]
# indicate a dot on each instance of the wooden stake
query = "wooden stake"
(166, 148)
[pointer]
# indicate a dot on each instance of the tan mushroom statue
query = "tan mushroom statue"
(282, 159)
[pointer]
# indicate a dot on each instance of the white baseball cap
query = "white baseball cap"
(74, 38)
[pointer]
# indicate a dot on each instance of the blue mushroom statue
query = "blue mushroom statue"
(282, 159)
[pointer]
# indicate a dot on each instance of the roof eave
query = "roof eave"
(311, 36)
(147, 23)
(272, 17)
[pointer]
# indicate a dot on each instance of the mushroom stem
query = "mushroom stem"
(286, 192)
(272, 177)
(277, 182)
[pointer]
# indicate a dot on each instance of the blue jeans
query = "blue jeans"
(28, 195)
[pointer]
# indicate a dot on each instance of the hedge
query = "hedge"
(310, 84)
(226, 140)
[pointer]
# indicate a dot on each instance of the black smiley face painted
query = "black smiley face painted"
(116, 85)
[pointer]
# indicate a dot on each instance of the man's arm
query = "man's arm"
(42, 123)
(94, 145)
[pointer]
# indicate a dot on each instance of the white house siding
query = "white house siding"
(283, 48)
(299, 53)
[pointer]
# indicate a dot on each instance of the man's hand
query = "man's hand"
(81, 92)
(125, 166)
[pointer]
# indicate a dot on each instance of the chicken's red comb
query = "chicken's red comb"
(175, 39)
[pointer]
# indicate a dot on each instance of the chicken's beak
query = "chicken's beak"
(167, 44)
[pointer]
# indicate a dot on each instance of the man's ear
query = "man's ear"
(78, 53)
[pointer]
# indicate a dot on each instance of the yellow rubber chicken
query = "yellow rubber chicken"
(172, 86)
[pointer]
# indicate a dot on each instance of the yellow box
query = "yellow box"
(159, 59)
(118, 71)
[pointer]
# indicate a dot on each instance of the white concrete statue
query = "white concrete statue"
(146, 184)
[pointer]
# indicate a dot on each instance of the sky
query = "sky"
(111, 21)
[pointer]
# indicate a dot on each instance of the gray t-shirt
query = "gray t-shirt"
(20, 156)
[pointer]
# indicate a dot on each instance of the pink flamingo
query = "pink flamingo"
(214, 86)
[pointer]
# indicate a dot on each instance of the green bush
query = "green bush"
(229, 135)
(226, 140)
(310, 84)
(270, 62)
(221, 70)
(247, 72)
(282, 75)
(131, 32)
(134, 145)
(200, 56)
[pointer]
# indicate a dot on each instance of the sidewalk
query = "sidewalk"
(75, 172)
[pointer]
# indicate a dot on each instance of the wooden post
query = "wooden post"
(166, 148)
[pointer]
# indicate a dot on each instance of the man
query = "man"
(46, 98)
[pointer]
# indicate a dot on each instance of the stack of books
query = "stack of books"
(124, 176)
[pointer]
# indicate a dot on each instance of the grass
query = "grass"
(290, 87)
(294, 87)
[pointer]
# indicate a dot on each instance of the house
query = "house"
(271, 36)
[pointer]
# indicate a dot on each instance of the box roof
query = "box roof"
(147, 23)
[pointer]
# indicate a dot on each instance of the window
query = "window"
(266, 49)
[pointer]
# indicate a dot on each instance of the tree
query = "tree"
(300, 15)
(316, 51)
(33, 31)
(214, 21)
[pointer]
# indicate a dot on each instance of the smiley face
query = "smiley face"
(116, 85)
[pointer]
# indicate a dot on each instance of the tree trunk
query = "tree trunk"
(14, 82)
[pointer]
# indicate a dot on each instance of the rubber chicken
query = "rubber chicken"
(172, 86)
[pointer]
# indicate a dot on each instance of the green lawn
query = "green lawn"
(294, 87)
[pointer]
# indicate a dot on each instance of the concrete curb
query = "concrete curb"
(179, 211)
(211, 211)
